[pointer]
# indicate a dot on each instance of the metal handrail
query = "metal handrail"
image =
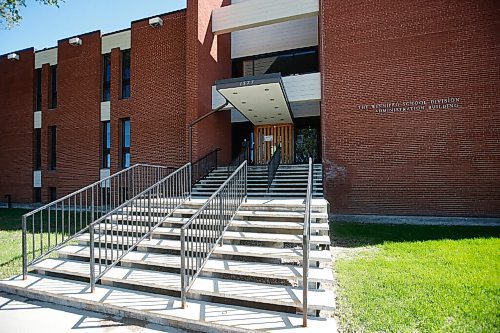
(205, 229)
(244, 155)
(306, 236)
(150, 207)
(272, 166)
(204, 165)
(55, 224)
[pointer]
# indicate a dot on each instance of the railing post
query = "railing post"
(305, 286)
(25, 249)
(246, 181)
(190, 184)
(221, 219)
(149, 213)
(183, 268)
(92, 259)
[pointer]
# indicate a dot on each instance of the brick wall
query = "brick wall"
(430, 162)
(76, 117)
(157, 104)
(208, 60)
(16, 126)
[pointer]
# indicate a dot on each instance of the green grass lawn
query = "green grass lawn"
(10, 242)
(400, 278)
(11, 237)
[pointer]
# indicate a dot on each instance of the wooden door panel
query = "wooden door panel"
(281, 134)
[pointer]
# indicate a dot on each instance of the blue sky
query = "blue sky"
(42, 26)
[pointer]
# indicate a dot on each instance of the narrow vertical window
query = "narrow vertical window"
(125, 143)
(53, 87)
(106, 145)
(37, 154)
(52, 194)
(52, 147)
(126, 74)
(106, 77)
(38, 96)
(37, 195)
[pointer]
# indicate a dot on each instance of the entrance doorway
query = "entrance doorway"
(268, 137)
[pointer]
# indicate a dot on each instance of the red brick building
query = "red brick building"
(397, 100)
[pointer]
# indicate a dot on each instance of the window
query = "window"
(37, 154)
(126, 74)
(37, 194)
(125, 143)
(38, 96)
(106, 145)
(301, 61)
(52, 194)
(52, 147)
(106, 77)
(53, 87)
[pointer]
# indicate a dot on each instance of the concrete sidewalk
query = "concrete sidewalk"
(19, 314)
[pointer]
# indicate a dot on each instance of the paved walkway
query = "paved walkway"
(19, 314)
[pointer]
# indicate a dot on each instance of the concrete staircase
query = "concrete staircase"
(256, 273)
(290, 182)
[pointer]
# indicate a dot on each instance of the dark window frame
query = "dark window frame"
(37, 149)
(52, 151)
(106, 145)
(106, 77)
(296, 69)
(37, 195)
(124, 148)
(52, 194)
(53, 87)
(125, 74)
(38, 89)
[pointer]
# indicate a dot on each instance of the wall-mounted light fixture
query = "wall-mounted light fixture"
(75, 41)
(156, 22)
(13, 57)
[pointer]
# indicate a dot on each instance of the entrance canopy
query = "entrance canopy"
(261, 99)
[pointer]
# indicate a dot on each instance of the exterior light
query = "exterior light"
(75, 41)
(156, 22)
(13, 57)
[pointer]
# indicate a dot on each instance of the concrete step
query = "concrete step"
(256, 252)
(116, 223)
(211, 289)
(156, 261)
(198, 316)
(287, 216)
(229, 236)
(277, 225)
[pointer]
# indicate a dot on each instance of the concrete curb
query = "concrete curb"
(417, 220)
(122, 312)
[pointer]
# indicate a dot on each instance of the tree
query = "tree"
(10, 11)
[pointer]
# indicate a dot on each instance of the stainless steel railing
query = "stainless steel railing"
(306, 236)
(205, 229)
(272, 166)
(139, 216)
(51, 226)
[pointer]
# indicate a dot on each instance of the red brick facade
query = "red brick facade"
(157, 103)
(383, 152)
(76, 116)
(16, 127)
(208, 60)
(430, 162)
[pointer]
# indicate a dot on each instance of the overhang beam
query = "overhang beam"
(257, 13)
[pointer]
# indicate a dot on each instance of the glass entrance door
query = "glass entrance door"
(306, 145)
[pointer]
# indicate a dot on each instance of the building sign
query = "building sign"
(268, 138)
(449, 103)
